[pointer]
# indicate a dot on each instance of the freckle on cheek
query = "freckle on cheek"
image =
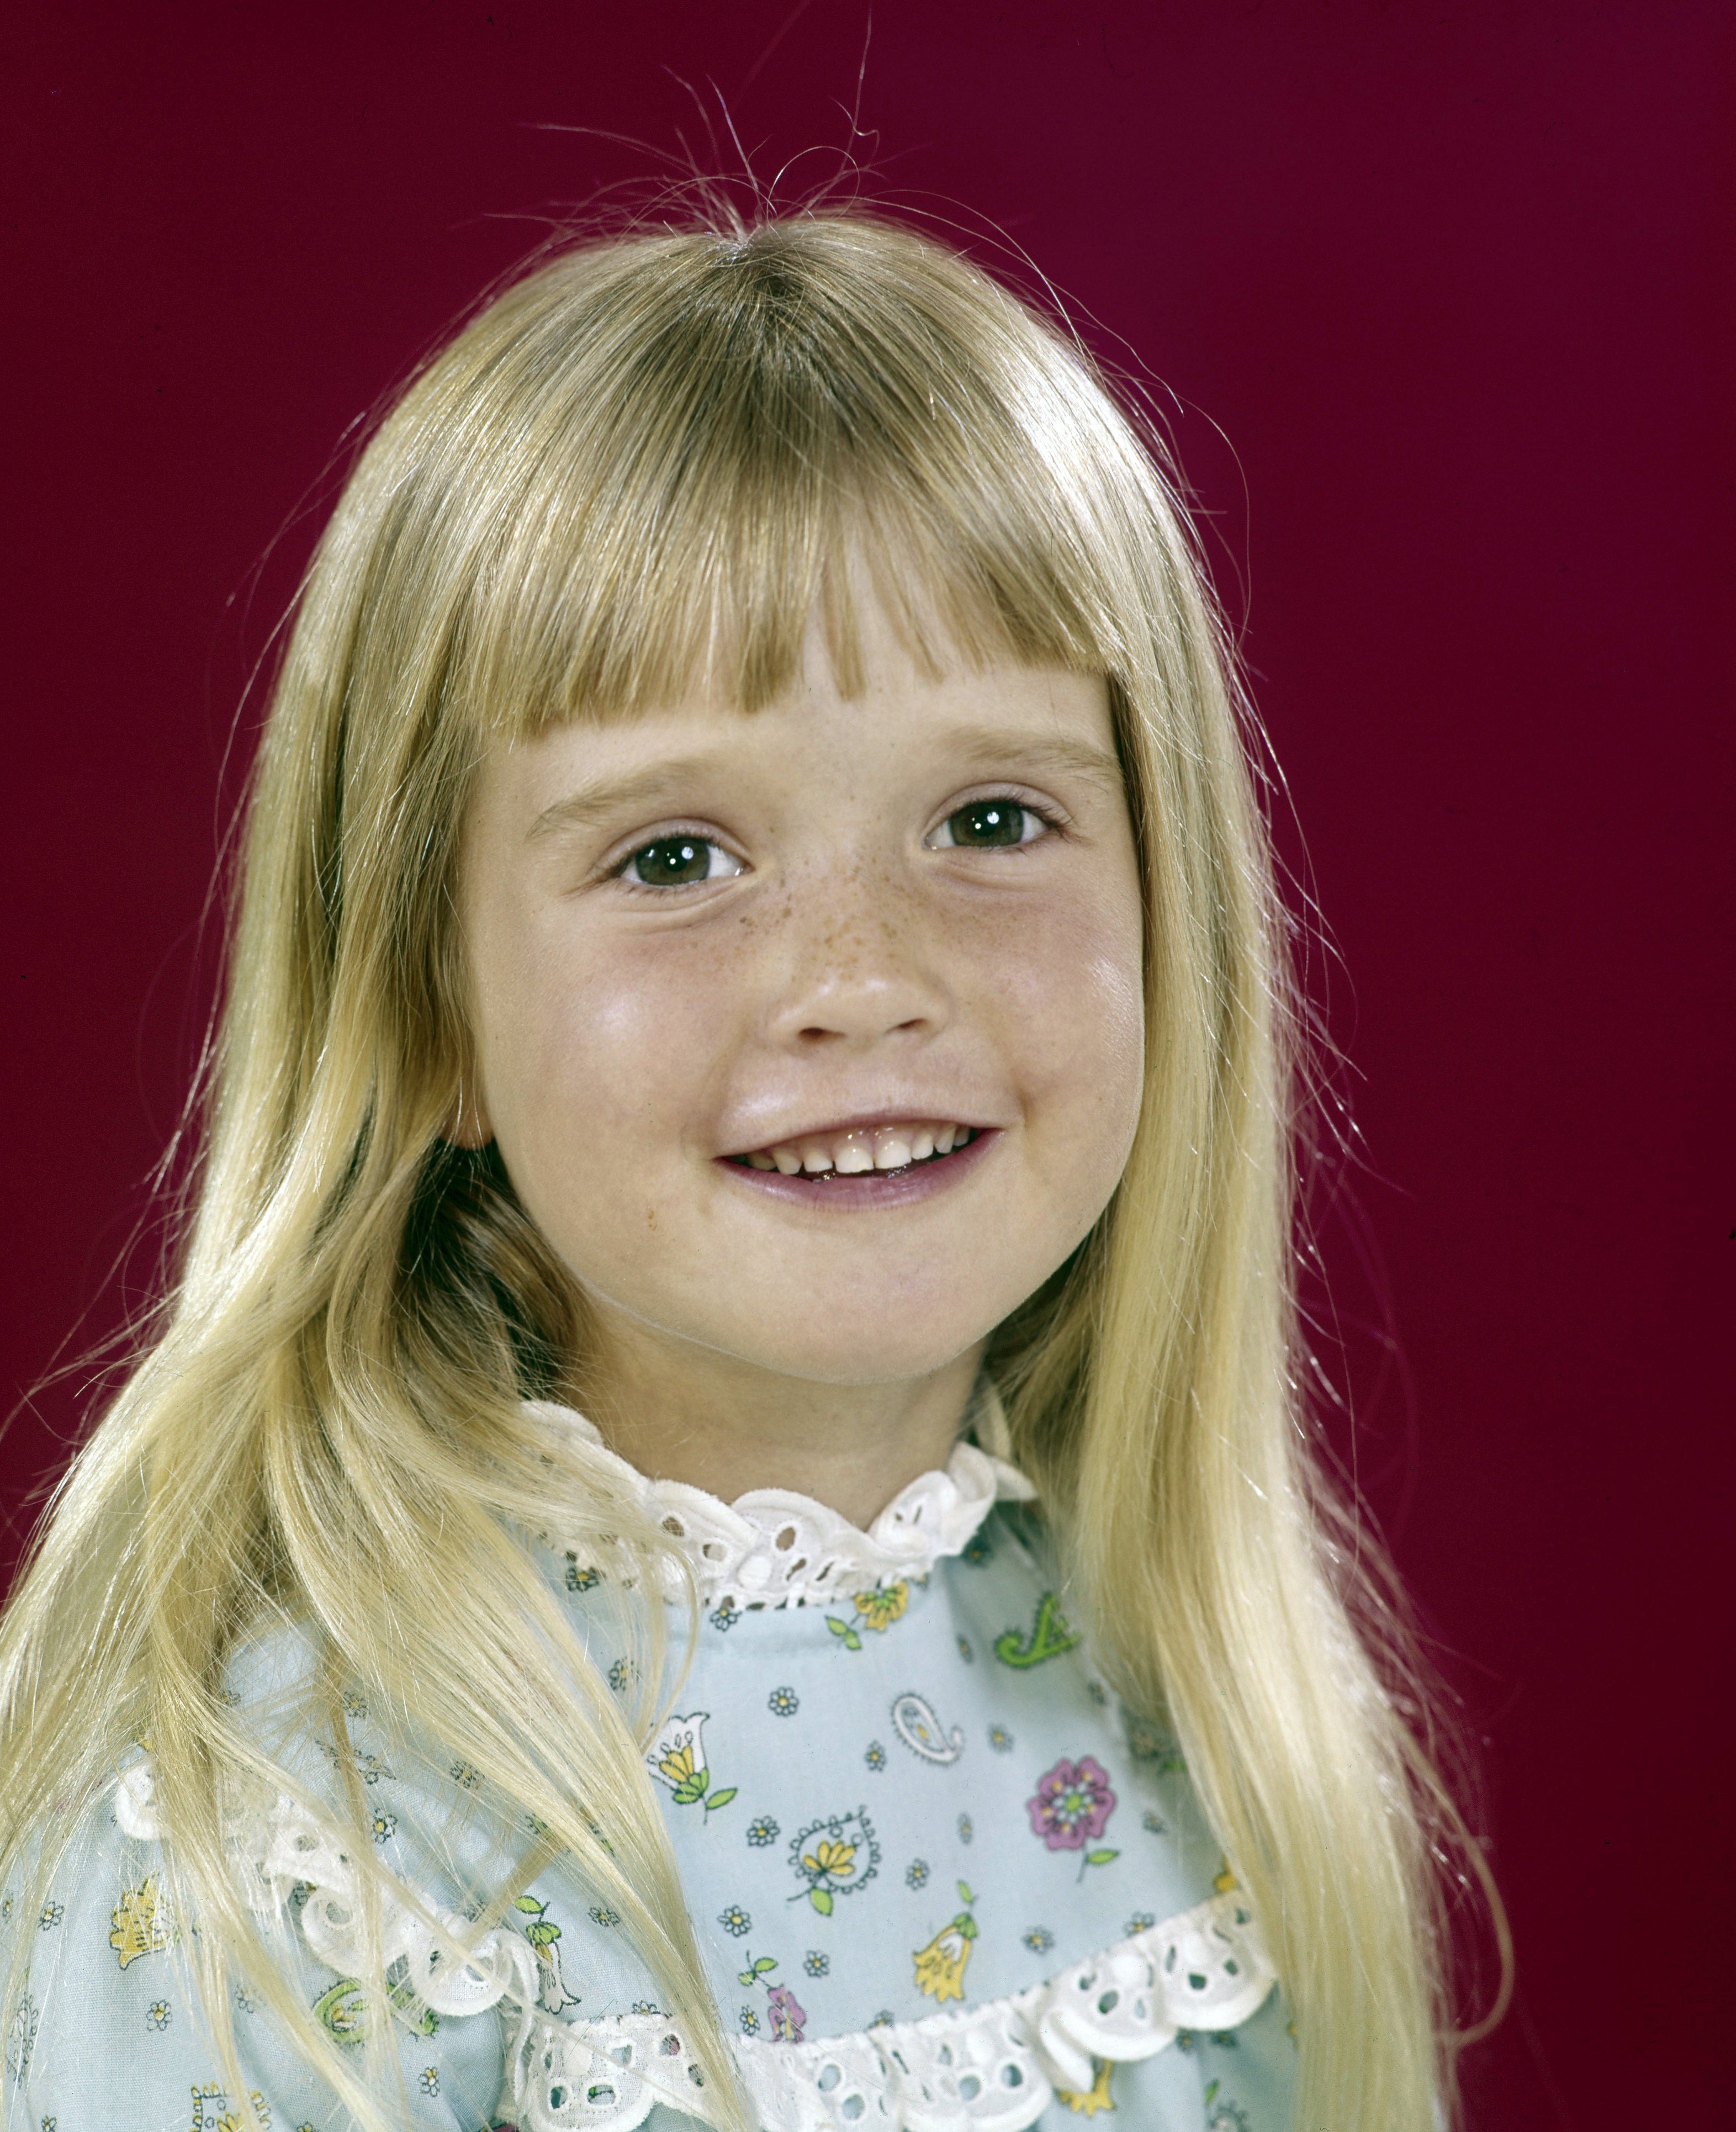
(650, 1218)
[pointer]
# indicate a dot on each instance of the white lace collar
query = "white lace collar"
(774, 1548)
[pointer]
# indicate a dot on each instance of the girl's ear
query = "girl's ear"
(466, 1123)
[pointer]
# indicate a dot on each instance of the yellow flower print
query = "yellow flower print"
(211, 2110)
(544, 1934)
(1225, 1880)
(676, 1762)
(1093, 2098)
(342, 2010)
(841, 1862)
(940, 1966)
(884, 1606)
(141, 1924)
(676, 1755)
(835, 1861)
(876, 1609)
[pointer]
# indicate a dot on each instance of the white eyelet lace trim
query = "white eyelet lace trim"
(989, 2068)
(135, 1801)
(772, 1547)
(287, 1847)
(357, 1935)
(993, 2068)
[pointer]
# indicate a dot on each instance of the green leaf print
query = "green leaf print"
(542, 1931)
(852, 1640)
(821, 1898)
(721, 1798)
(691, 1788)
(1091, 1858)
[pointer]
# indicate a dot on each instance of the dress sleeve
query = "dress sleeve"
(107, 2029)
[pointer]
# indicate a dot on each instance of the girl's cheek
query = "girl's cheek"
(1071, 972)
(1082, 1006)
(632, 1033)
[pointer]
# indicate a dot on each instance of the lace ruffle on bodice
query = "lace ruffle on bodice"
(991, 2068)
(994, 2067)
(773, 1548)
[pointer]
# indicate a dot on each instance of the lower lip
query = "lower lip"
(830, 1193)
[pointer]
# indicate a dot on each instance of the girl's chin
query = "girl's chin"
(826, 1321)
(818, 1336)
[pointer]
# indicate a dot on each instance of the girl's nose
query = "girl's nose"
(856, 975)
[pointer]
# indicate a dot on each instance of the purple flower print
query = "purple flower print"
(786, 2012)
(1073, 1802)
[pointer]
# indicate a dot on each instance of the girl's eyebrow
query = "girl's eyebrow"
(994, 747)
(982, 748)
(604, 796)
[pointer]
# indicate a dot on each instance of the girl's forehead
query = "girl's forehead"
(884, 689)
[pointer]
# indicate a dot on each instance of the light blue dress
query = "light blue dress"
(939, 1878)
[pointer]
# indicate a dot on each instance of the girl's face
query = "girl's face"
(739, 981)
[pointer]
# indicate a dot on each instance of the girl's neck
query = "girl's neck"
(679, 1413)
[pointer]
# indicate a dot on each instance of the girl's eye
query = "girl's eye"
(986, 824)
(673, 861)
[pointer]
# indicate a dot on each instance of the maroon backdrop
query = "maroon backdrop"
(1440, 299)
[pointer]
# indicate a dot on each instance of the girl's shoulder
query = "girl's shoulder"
(108, 2019)
(111, 2019)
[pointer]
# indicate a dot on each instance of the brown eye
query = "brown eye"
(988, 822)
(671, 862)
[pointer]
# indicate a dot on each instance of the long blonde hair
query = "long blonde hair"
(657, 453)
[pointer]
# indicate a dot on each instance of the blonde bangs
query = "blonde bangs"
(661, 476)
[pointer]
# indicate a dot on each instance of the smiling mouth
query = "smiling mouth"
(894, 1149)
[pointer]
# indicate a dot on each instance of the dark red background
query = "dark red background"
(1443, 299)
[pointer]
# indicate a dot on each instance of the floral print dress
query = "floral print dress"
(938, 1876)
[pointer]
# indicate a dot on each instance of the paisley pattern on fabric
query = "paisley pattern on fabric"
(915, 1723)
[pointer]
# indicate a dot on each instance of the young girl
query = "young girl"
(718, 1527)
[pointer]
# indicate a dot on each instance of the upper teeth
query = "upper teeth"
(870, 1147)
